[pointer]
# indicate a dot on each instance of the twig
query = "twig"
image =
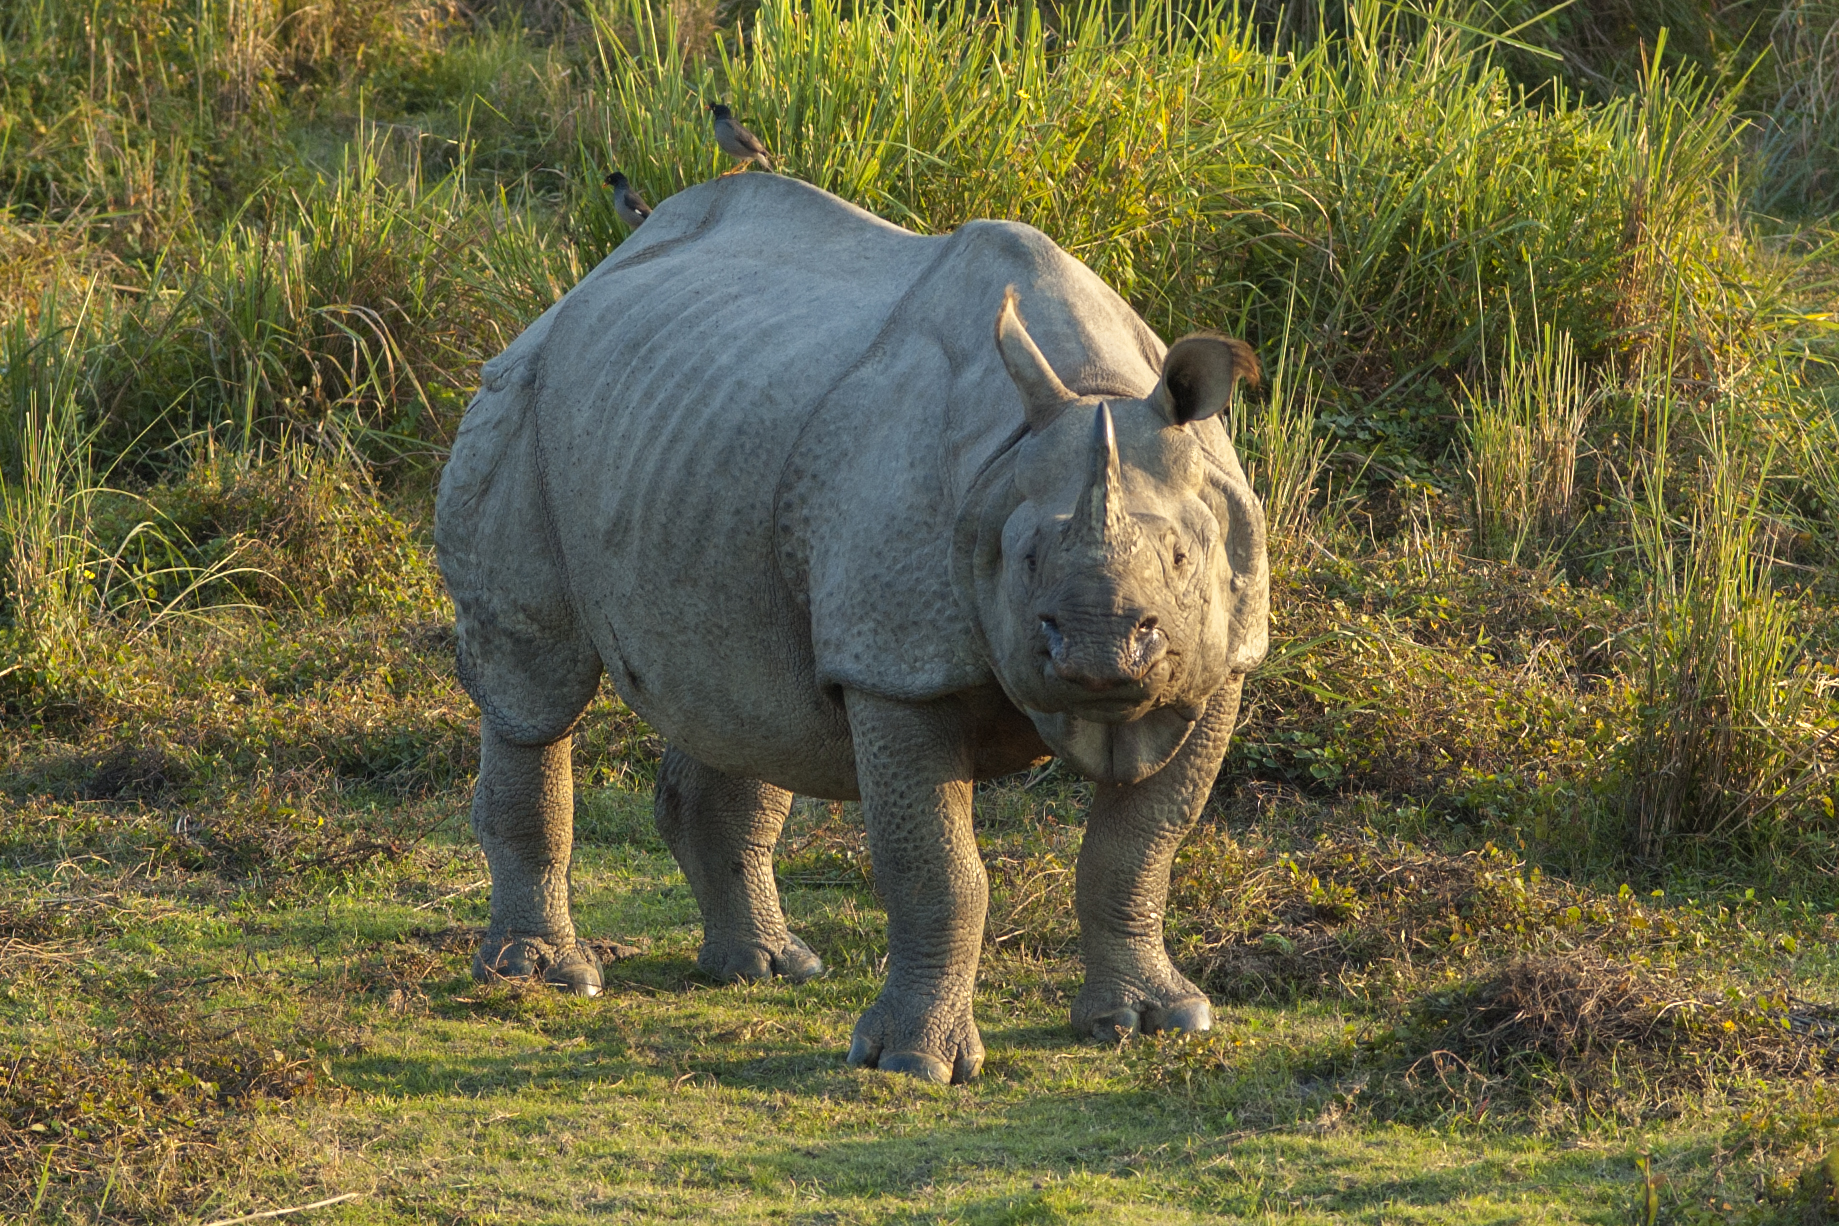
(255, 1217)
(462, 890)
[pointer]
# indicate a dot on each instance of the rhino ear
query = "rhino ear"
(1043, 395)
(1198, 373)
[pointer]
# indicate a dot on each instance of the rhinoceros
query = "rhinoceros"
(836, 521)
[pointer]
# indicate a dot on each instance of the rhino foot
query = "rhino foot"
(1112, 1015)
(570, 966)
(751, 963)
(899, 1035)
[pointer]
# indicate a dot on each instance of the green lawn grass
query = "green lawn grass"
(670, 1098)
(348, 1050)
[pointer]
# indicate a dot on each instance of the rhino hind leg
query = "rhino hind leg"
(722, 830)
(532, 674)
(523, 814)
(1132, 833)
(530, 694)
(525, 660)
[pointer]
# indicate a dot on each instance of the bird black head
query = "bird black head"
(616, 180)
(719, 110)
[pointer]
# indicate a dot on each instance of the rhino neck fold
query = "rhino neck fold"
(1114, 753)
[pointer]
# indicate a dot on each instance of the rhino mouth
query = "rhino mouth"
(1115, 711)
(1123, 751)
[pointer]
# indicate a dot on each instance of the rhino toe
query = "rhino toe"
(1116, 1026)
(916, 1064)
(1100, 1015)
(748, 964)
(570, 965)
(753, 963)
(1188, 1016)
(929, 1044)
(798, 962)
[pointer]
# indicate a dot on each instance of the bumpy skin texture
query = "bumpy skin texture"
(722, 831)
(837, 521)
(524, 816)
(1132, 833)
(914, 762)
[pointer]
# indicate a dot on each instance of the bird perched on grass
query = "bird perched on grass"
(630, 206)
(736, 141)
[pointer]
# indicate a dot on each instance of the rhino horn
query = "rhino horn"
(1043, 395)
(1100, 525)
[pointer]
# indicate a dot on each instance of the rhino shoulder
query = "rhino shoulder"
(1241, 518)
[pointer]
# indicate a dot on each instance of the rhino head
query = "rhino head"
(1131, 581)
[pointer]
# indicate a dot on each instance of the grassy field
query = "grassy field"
(1516, 898)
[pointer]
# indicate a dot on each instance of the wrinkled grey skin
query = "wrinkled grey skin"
(837, 522)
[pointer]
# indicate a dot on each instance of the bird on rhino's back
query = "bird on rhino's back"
(836, 521)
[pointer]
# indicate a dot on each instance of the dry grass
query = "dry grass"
(1584, 1010)
(1371, 919)
(1498, 670)
(151, 1087)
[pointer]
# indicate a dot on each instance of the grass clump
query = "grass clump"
(1580, 1028)
(1733, 741)
(1523, 445)
(301, 532)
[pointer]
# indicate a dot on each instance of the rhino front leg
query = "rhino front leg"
(913, 766)
(1132, 833)
(722, 830)
(524, 816)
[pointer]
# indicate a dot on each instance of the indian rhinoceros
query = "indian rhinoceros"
(836, 521)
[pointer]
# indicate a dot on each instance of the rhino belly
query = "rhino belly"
(680, 592)
(743, 702)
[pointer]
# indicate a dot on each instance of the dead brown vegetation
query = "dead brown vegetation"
(1596, 1036)
(1365, 917)
(150, 1095)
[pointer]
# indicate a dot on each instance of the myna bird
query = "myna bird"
(630, 206)
(736, 141)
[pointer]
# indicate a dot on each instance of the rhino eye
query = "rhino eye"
(1181, 556)
(1030, 560)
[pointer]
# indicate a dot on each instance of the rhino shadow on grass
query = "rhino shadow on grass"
(804, 1123)
(836, 521)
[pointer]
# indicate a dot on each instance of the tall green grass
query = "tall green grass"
(1728, 747)
(1383, 186)
(298, 228)
(1799, 139)
(1522, 441)
(47, 500)
(1284, 453)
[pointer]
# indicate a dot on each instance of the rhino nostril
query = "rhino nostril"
(1147, 646)
(1056, 642)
